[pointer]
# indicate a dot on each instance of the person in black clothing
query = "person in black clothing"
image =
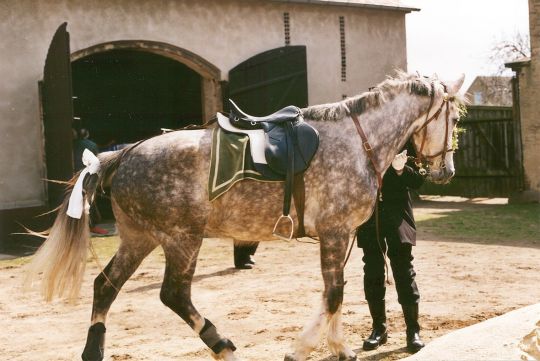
(397, 235)
(243, 252)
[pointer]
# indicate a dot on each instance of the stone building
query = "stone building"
(125, 69)
(527, 108)
(491, 90)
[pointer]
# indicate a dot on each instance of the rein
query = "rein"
(369, 151)
(419, 160)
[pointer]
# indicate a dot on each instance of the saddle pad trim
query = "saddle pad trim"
(256, 138)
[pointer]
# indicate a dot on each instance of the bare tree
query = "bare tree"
(517, 47)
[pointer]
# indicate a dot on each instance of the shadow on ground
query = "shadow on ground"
(196, 278)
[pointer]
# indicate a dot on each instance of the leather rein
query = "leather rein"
(420, 159)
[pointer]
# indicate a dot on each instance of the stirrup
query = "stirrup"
(282, 236)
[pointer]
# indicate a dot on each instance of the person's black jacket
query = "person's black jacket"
(395, 210)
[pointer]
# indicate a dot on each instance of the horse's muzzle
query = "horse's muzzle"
(442, 176)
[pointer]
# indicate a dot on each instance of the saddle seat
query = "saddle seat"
(289, 146)
(242, 120)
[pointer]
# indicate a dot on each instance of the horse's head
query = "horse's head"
(433, 138)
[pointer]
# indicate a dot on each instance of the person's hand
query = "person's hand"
(399, 162)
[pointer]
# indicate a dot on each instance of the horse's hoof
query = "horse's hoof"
(343, 357)
(93, 350)
(289, 357)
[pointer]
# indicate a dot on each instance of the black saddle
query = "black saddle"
(290, 145)
(244, 121)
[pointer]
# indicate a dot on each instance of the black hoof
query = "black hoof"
(223, 344)
(289, 357)
(343, 357)
(94, 349)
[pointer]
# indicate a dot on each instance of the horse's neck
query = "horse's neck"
(389, 126)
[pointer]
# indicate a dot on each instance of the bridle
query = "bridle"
(421, 160)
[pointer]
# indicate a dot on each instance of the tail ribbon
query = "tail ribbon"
(77, 204)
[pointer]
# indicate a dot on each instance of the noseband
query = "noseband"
(424, 161)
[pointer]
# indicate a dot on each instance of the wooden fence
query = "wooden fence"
(488, 161)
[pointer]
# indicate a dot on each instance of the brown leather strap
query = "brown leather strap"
(368, 149)
(299, 197)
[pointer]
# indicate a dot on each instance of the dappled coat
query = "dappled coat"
(395, 210)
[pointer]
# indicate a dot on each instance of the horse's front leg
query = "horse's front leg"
(333, 249)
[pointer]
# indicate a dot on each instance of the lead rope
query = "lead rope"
(377, 230)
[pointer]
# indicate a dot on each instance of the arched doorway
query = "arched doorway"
(125, 91)
(102, 92)
(122, 96)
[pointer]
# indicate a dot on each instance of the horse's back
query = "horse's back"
(162, 181)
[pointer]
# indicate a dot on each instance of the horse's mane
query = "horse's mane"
(378, 95)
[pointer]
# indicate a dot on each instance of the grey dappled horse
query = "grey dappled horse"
(159, 198)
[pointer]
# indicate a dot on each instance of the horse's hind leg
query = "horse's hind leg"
(181, 259)
(106, 287)
(333, 249)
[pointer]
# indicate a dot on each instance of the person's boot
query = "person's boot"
(414, 342)
(252, 248)
(379, 334)
(242, 256)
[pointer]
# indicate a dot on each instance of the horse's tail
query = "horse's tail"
(62, 257)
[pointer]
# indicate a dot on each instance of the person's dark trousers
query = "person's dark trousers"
(243, 253)
(400, 255)
(374, 291)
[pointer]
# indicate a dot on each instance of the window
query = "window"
(287, 28)
(343, 49)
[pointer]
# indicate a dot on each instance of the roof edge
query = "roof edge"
(518, 63)
(351, 4)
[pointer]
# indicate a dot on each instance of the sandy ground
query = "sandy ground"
(262, 310)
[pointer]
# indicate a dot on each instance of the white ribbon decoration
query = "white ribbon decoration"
(77, 204)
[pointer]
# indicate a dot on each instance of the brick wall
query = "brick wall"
(530, 104)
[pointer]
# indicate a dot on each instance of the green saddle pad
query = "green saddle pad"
(230, 162)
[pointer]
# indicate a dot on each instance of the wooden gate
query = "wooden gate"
(488, 161)
(57, 103)
(269, 81)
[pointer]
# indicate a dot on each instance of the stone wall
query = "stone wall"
(223, 32)
(529, 80)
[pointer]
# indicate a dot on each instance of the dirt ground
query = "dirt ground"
(262, 310)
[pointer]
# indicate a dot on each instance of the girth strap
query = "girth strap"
(299, 196)
(289, 178)
(289, 183)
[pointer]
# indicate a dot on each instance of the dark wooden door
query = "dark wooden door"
(57, 105)
(270, 80)
(485, 162)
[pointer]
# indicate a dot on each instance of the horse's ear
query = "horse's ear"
(454, 86)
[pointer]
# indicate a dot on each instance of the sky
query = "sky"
(450, 37)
